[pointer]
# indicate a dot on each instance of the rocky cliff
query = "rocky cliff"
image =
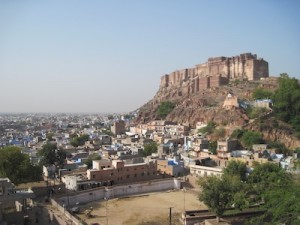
(207, 105)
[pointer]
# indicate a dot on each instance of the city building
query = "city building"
(118, 172)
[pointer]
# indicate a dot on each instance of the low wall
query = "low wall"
(119, 191)
(67, 219)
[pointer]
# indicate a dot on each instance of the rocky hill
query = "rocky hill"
(207, 105)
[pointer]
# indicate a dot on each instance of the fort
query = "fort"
(215, 72)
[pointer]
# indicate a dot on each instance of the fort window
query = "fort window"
(94, 176)
(135, 175)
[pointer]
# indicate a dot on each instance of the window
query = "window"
(94, 176)
(128, 176)
(135, 175)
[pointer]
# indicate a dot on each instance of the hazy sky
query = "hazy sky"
(108, 56)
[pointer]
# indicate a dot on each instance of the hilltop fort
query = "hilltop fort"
(216, 72)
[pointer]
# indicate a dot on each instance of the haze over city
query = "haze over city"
(108, 56)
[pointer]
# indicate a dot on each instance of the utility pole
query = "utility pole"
(170, 215)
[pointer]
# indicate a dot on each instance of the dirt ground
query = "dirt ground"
(148, 209)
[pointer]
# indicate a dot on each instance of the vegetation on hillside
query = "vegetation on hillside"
(209, 129)
(287, 102)
(261, 93)
(268, 185)
(165, 108)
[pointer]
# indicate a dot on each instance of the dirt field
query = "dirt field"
(149, 209)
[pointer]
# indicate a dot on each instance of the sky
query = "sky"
(108, 56)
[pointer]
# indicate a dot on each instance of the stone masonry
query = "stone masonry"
(215, 72)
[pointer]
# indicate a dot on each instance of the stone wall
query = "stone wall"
(119, 191)
(215, 72)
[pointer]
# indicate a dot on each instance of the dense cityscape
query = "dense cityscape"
(149, 112)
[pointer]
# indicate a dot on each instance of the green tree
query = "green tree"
(209, 129)
(79, 141)
(236, 168)
(89, 160)
(287, 101)
(237, 133)
(279, 192)
(51, 155)
(288, 209)
(220, 193)
(212, 147)
(17, 167)
(250, 138)
(279, 147)
(149, 148)
(49, 136)
(165, 108)
(261, 93)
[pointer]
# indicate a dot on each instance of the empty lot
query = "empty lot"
(145, 209)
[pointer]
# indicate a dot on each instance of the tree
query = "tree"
(279, 192)
(237, 133)
(149, 148)
(17, 167)
(261, 93)
(219, 193)
(268, 184)
(79, 141)
(250, 138)
(288, 209)
(51, 155)
(89, 160)
(49, 136)
(287, 101)
(211, 125)
(212, 147)
(236, 168)
(279, 147)
(268, 175)
(165, 108)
